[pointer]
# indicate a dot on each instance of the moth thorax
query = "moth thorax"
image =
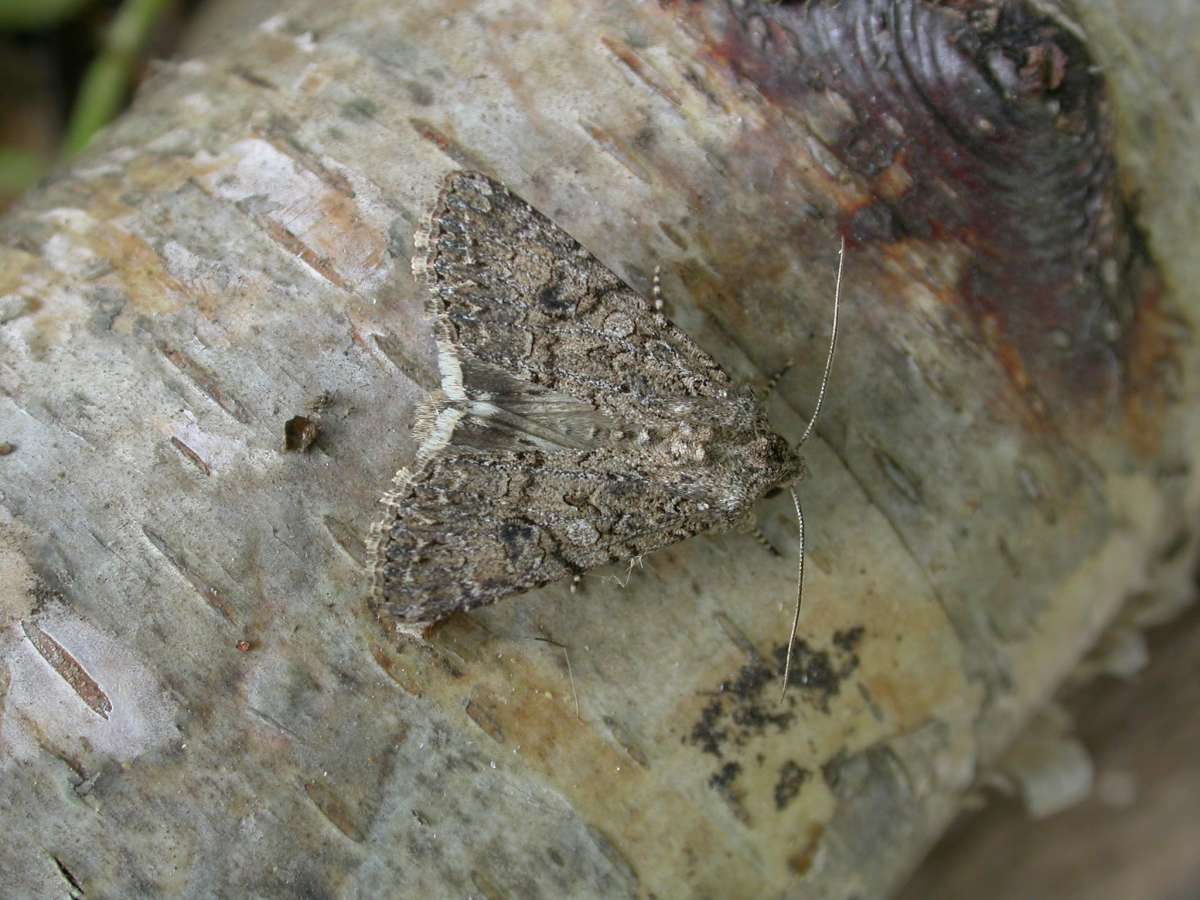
(735, 500)
(687, 443)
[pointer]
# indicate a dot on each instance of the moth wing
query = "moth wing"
(552, 315)
(526, 472)
(465, 528)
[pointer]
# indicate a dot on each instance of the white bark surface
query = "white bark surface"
(194, 698)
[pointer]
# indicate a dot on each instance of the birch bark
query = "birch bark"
(194, 699)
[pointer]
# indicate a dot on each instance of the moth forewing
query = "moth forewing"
(575, 426)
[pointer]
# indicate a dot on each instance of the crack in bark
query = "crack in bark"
(69, 669)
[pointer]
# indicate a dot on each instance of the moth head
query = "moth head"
(752, 469)
(771, 462)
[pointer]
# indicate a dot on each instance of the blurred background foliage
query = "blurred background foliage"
(67, 67)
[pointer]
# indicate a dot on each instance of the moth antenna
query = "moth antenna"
(633, 561)
(623, 581)
(787, 666)
(773, 381)
(837, 296)
(765, 541)
(656, 289)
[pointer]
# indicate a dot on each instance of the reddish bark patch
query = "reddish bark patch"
(69, 669)
(972, 122)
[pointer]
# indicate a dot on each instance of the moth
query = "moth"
(575, 425)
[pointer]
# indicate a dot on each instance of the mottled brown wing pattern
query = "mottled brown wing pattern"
(551, 314)
(468, 528)
(575, 425)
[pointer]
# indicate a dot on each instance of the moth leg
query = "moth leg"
(656, 289)
(774, 380)
(633, 561)
(762, 539)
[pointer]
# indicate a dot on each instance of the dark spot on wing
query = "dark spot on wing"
(553, 302)
(517, 537)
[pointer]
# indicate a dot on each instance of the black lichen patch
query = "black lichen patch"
(707, 733)
(820, 673)
(725, 776)
(738, 712)
(792, 777)
(747, 706)
(724, 782)
(811, 671)
(848, 639)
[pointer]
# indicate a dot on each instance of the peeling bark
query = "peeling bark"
(1007, 455)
